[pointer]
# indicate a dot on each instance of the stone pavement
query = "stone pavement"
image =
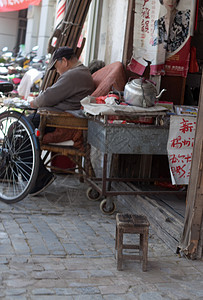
(59, 245)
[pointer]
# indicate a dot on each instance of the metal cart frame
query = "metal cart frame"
(113, 139)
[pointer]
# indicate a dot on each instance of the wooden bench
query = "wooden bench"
(66, 120)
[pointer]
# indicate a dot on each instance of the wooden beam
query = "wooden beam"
(192, 232)
(128, 42)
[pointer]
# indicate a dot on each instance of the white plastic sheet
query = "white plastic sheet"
(27, 81)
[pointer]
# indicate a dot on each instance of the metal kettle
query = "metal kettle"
(141, 92)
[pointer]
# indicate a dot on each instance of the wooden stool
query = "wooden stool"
(137, 224)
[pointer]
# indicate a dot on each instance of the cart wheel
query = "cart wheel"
(104, 209)
(92, 194)
(19, 157)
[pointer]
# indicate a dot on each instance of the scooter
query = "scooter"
(5, 55)
(5, 88)
(25, 61)
(6, 60)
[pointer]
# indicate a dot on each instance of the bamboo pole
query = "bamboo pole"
(67, 34)
(51, 76)
(71, 24)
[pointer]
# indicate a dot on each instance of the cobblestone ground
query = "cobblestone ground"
(59, 245)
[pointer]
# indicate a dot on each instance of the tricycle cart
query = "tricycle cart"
(20, 150)
(18, 172)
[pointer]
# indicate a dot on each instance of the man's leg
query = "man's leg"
(44, 178)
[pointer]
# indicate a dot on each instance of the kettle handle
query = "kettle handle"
(150, 81)
(131, 78)
(143, 79)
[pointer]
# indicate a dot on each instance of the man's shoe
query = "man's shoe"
(42, 184)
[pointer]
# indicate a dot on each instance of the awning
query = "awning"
(12, 5)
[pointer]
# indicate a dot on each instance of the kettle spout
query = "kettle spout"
(160, 94)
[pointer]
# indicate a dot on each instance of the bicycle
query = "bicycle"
(19, 155)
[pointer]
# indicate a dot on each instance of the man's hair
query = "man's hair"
(70, 57)
(177, 1)
(61, 52)
(65, 51)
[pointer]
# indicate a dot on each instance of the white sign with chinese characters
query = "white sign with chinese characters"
(180, 147)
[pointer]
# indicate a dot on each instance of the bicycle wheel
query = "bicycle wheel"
(19, 156)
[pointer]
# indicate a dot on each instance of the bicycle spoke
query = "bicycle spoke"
(19, 158)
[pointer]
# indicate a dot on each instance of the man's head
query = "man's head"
(63, 59)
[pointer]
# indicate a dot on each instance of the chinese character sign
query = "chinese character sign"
(180, 147)
(162, 33)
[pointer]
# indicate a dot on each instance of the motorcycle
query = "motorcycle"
(25, 61)
(7, 60)
(5, 55)
(5, 88)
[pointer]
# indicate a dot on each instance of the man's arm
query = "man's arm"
(54, 94)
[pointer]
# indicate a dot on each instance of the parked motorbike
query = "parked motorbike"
(31, 67)
(5, 88)
(14, 68)
(40, 63)
(5, 55)
(25, 61)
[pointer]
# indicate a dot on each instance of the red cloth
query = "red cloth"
(64, 134)
(108, 78)
(194, 67)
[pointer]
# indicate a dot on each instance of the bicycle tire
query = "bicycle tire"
(19, 156)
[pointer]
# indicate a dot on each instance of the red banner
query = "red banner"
(12, 5)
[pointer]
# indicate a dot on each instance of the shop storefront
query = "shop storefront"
(177, 67)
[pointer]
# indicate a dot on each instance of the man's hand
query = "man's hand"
(32, 104)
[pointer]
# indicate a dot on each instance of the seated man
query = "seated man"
(74, 83)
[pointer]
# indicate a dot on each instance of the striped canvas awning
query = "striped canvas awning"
(12, 5)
